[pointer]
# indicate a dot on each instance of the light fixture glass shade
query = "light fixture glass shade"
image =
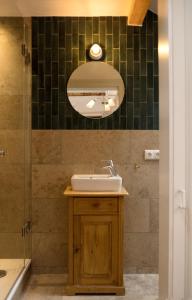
(90, 104)
(95, 52)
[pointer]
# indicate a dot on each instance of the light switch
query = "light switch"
(152, 154)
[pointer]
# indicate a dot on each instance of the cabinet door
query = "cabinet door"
(96, 250)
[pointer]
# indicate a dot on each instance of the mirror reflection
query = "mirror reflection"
(95, 90)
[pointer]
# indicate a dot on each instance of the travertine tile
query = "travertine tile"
(49, 250)
(46, 147)
(126, 172)
(11, 67)
(12, 245)
(51, 180)
(115, 145)
(44, 210)
(141, 250)
(13, 143)
(12, 181)
(11, 214)
(82, 152)
(142, 140)
(142, 182)
(82, 147)
(154, 215)
(11, 110)
(137, 215)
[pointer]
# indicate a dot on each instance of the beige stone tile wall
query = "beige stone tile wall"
(57, 155)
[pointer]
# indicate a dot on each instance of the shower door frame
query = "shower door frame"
(175, 63)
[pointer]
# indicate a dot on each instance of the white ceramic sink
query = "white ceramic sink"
(96, 183)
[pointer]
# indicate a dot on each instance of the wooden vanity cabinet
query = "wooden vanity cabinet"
(95, 243)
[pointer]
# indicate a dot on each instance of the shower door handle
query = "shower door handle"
(181, 199)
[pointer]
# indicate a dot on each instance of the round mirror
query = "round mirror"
(95, 90)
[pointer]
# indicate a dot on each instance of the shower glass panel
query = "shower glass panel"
(15, 147)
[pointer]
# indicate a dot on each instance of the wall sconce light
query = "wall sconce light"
(95, 52)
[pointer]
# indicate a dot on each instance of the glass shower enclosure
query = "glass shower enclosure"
(15, 150)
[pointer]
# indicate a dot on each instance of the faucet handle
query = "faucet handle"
(108, 162)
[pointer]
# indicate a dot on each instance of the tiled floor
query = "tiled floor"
(51, 287)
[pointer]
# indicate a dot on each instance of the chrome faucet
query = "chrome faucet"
(110, 166)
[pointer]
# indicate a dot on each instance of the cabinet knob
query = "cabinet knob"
(96, 204)
(76, 249)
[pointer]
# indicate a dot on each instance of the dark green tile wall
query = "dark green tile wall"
(59, 45)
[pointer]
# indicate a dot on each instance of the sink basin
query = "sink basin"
(96, 183)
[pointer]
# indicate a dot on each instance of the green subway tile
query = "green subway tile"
(116, 59)
(136, 68)
(123, 49)
(68, 69)
(115, 34)
(82, 52)
(75, 58)
(68, 25)
(102, 33)
(109, 55)
(143, 41)
(95, 25)
(123, 25)
(143, 64)
(61, 61)
(68, 48)
(96, 38)
(143, 88)
(150, 75)
(82, 25)
(136, 95)
(129, 36)
(75, 41)
(129, 89)
(136, 47)
(156, 89)
(109, 25)
(150, 123)
(59, 46)
(129, 61)
(88, 41)
(149, 48)
(123, 71)
(89, 26)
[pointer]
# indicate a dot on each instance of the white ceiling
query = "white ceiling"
(66, 7)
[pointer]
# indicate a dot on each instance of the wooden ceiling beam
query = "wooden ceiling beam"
(137, 11)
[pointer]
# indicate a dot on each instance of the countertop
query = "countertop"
(70, 193)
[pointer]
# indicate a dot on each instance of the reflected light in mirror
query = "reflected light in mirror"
(90, 104)
(107, 107)
(111, 102)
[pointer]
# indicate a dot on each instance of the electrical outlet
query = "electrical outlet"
(152, 154)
